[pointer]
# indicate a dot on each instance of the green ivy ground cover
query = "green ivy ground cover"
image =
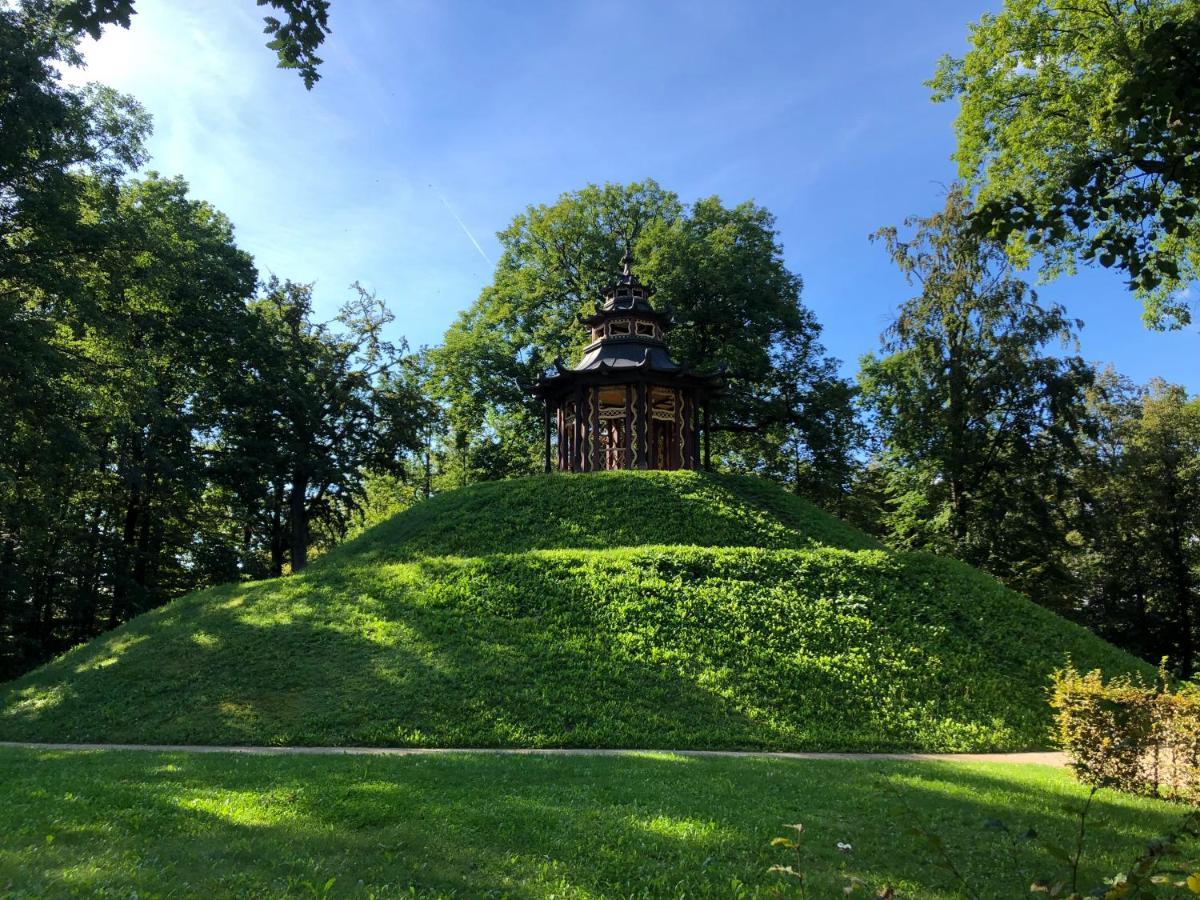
(178, 825)
(660, 610)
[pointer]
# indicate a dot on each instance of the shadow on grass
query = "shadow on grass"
(689, 649)
(334, 660)
(528, 826)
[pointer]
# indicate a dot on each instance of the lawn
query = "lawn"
(167, 824)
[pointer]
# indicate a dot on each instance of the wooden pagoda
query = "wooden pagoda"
(627, 404)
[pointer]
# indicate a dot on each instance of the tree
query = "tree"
(124, 327)
(49, 135)
(1080, 127)
(788, 414)
(312, 410)
(720, 270)
(1140, 487)
(295, 38)
(171, 287)
(100, 479)
(977, 423)
(62, 152)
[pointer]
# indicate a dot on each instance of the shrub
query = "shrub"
(1130, 735)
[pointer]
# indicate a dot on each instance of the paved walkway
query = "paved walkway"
(1058, 760)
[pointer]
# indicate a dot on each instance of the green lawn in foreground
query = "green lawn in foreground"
(115, 823)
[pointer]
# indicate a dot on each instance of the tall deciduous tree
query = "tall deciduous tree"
(976, 419)
(314, 408)
(1140, 489)
(719, 269)
(100, 475)
(789, 415)
(1080, 126)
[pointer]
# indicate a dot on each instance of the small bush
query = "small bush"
(1130, 735)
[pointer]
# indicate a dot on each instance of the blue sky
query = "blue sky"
(435, 122)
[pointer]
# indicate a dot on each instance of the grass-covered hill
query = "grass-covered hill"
(642, 609)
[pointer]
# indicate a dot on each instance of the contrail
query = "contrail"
(461, 224)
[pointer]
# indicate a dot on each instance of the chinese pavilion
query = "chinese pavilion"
(628, 404)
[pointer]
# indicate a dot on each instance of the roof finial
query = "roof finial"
(626, 262)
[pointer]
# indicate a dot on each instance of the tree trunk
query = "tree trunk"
(428, 465)
(122, 578)
(298, 521)
(277, 539)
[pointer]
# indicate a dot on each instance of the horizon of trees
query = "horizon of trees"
(169, 420)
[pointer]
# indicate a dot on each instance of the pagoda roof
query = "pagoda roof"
(627, 296)
(625, 353)
(615, 361)
(617, 357)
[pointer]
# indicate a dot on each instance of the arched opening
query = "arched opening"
(664, 438)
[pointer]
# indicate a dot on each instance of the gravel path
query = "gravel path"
(1058, 760)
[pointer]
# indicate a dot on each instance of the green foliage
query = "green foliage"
(978, 419)
(1138, 562)
(159, 429)
(310, 409)
(294, 39)
(619, 609)
(155, 824)
(1128, 734)
(102, 488)
(1080, 126)
(719, 269)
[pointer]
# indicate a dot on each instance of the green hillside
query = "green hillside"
(620, 609)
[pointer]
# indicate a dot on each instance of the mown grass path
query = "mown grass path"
(1058, 760)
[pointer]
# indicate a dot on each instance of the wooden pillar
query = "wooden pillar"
(707, 452)
(577, 447)
(641, 416)
(560, 418)
(546, 428)
(627, 430)
(681, 423)
(595, 451)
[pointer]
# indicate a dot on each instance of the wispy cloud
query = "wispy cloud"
(461, 223)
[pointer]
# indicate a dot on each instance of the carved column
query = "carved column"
(627, 428)
(595, 451)
(641, 424)
(577, 446)
(695, 448)
(560, 419)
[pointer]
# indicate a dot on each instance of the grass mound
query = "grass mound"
(624, 609)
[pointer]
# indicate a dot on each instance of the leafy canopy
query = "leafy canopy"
(719, 269)
(1139, 484)
(311, 409)
(1080, 127)
(294, 38)
(973, 414)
